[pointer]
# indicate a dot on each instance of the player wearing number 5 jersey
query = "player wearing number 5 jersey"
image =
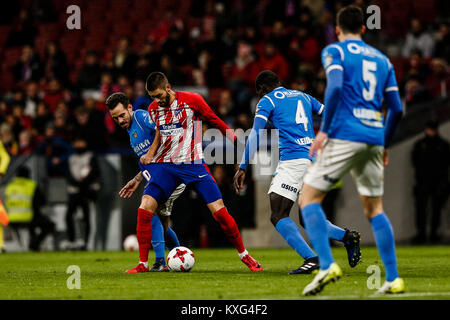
(291, 112)
(354, 137)
(150, 231)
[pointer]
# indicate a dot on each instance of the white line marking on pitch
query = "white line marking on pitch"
(381, 296)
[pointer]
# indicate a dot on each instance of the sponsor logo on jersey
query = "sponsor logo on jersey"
(171, 129)
(304, 141)
(141, 146)
(368, 114)
(286, 93)
(288, 187)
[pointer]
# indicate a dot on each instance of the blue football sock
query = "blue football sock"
(291, 233)
(171, 239)
(384, 238)
(316, 227)
(158, 239)
(334, 232)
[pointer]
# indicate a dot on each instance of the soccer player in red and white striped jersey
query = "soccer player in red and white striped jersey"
(177, 156)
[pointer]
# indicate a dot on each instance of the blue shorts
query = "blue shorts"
(165, 177)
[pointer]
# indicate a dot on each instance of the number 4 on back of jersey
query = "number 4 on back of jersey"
(300, 116)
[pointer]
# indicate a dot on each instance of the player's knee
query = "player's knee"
(216, 206)
(372, 206)
(277, 216)
(148, 203)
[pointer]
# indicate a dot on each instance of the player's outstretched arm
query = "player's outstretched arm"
(250, 149)
(206, 113)
(127, 191)
(148, 157)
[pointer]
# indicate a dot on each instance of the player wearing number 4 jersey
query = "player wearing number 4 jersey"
(353, 137)
(177, 154)
(290, 111)
(150, 231)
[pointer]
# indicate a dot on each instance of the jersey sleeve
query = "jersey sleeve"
(144, 120)
(200, 107)
(264, 108)
(332, 58)
(391, 81)
(317, 107)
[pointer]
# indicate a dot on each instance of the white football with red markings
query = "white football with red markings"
(180, 259)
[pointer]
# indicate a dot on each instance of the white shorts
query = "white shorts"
(364, 161)
(287, 180)
(166, 208)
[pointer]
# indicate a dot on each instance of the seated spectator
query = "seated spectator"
(243, 74)
(417, 66)
(42, 118)
(55, 63)
(143, 100)
(274, 61)
(107, 86)
(124, 57)
(53, 95)
(438, 80)
(26, 142)
(23, 31)
(32, 99)
(63, 129)
(90, 73)
(225, 108)
(209, 72)
(28, 68)
(23, 121)
(279, 37)
(306, 46)
(418, 38)
(90, 126)
(177, 47)
(442, 44)
(415, 91)
(171, 71)
(152, 55)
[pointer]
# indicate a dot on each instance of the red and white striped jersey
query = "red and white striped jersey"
(180, 127)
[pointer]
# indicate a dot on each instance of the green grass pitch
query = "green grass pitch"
(217, 274)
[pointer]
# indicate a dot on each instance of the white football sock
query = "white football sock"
(243, 254)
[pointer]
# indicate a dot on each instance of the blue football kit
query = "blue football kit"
(359, 79)
(291, 112)
(368, 78)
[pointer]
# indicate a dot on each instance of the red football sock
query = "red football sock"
(144, 233)
(230, 228)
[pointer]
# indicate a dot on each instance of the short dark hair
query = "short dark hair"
(266, 81)
(156, 80)
(350, 19)
(116, 98)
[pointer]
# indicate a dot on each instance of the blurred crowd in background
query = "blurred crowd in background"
(54, 81)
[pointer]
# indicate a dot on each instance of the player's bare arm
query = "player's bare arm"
(128, 190)
(319, 143)
(148, 157)
(238, 180)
